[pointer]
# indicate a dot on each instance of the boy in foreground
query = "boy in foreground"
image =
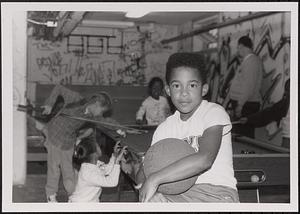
(205, 126)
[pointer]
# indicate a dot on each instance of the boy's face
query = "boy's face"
(96, 109)
(241, 50)
(156, 90)
(186, 90)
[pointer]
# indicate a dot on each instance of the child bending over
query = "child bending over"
(155, 107)
(61, 134)
(94, 174)
(206, 127)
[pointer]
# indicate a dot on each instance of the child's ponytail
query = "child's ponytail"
(83, 151)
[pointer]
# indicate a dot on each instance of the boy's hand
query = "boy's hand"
(47, 109)
(39, 126)
(138, 186)
(120, 156)
(148, 189)
(158, 197)
(117, 148)
(121, 132)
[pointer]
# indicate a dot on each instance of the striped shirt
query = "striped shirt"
(62, 130)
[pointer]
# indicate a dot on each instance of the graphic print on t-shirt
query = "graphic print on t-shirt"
(193, 142)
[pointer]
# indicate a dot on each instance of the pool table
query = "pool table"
(260, 167)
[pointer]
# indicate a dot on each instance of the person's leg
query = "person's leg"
(236, 127)
(53, 170)
(68, 172)
(248, 109)
(206, 193)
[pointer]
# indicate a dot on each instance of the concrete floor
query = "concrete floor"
(34, 189)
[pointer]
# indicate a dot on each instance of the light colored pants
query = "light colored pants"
(59, 162)
(206, 193)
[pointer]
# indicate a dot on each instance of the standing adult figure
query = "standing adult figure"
(244, 91)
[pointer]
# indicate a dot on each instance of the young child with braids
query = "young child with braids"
(94, 174)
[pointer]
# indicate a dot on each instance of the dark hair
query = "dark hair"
(246, 41)
(83, 151)
(153, 80)
(192, 60)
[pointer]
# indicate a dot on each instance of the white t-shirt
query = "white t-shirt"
(207, 115)
(91, 179)
(156, 110)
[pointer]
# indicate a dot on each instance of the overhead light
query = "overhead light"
(136, 14)
(111, 24)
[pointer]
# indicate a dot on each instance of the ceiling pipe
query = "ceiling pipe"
(109, 24)
(218, 25)
(68, 23)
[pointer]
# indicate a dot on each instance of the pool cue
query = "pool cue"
(38, 109)
(236, 122)
(104, 123)
(28, 108)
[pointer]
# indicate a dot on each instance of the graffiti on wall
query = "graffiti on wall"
(125, 58)
(271, 44)
(225, 62)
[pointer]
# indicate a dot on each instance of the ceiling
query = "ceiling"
(168, 18)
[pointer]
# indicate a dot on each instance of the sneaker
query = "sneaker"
(52, 199)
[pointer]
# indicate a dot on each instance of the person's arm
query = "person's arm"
(141, 112)
(97, 177)
(273, 113)
(115, 158)
(84, 133)
(107, 168)
(68, 95)
(186, 167)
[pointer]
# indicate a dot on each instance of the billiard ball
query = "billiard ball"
(254, 178)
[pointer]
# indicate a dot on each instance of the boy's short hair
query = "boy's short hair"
(153, 80)
(192, 60)
(246, 41)
(103, 98)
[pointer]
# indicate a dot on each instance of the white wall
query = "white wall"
(19, 88)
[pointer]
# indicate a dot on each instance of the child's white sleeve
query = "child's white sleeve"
(97, 177)
(142, 110)
(107, 168)
(218, 116)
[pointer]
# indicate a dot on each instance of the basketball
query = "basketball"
(162, 154)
